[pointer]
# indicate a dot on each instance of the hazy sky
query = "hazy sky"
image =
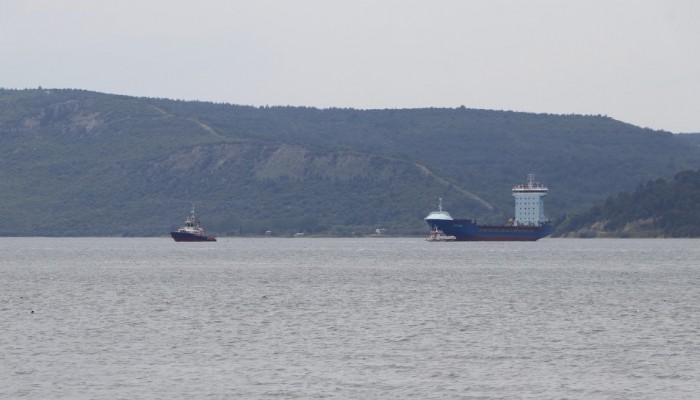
(634, 60)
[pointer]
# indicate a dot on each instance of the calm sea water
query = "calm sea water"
(349, 319)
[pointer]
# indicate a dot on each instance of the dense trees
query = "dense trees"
(658, 208)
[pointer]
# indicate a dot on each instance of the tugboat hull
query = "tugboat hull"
(188, 237)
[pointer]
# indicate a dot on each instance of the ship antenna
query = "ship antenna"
(530, 180)
(439, 203)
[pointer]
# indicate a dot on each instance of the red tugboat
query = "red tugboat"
(192, 231)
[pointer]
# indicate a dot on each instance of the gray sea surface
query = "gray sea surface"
(375, 318)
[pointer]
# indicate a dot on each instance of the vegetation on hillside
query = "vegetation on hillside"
(660, 208)
(75, 162)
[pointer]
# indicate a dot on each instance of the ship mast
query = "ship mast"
(530, 180)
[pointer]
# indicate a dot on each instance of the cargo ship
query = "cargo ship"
(191, 231)
(529, 224)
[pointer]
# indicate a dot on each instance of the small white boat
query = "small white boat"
(436, 235)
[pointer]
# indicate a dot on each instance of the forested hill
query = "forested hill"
(660, 208)
(75, 162)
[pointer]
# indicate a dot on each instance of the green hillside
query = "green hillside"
(75, 162)
(660, 208)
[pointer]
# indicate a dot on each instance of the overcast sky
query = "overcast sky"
(637, 61)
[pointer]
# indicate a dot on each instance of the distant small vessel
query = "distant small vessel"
(192, 231)
(436, 235)
(529, 224)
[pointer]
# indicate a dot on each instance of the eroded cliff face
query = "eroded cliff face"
(288, 162)
(296, 162)
(62, 117)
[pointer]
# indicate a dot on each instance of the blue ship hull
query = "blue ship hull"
(467, 230)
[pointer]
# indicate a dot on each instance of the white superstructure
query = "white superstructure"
(529, 202)
(440, 213)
